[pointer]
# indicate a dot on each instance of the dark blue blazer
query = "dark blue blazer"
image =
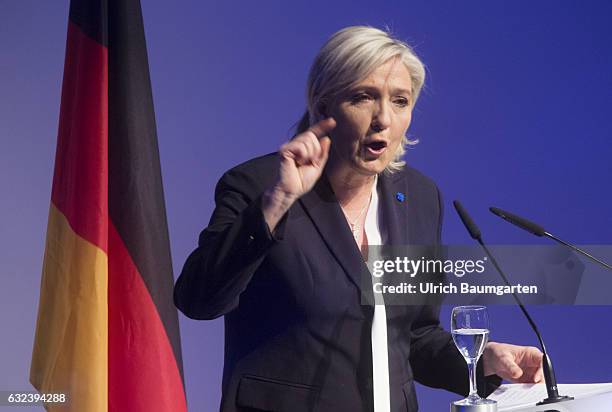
(297, 336)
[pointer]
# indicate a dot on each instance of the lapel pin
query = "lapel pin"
(400, 196)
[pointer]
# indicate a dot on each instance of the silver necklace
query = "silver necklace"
(355, 226)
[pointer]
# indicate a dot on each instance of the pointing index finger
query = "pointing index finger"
(323, 127)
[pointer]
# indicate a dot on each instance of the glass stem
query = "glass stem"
(471, 363)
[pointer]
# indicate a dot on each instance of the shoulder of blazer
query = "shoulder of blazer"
(251, 177)
(258, 165)
(410, 178)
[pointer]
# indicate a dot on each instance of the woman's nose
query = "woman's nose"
(381, 118)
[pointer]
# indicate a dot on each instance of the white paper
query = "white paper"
(519, 395)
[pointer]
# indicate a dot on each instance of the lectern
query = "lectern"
(587, 398)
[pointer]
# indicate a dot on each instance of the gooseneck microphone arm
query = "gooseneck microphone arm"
(538, 230)
(549, 373)
(582, 252)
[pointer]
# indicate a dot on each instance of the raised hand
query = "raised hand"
(302, 161)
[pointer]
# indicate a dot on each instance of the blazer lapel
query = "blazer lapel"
(323, 209)
(396, 209)
(398, 216)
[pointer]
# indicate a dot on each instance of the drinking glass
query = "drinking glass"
(470, 330)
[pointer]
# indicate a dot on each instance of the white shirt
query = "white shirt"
(380, 354)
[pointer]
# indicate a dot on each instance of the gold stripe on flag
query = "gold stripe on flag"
(71, 345)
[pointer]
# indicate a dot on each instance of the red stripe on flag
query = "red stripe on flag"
(142, 370)
(80, 181)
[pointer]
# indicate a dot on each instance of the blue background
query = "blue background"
(515, 113)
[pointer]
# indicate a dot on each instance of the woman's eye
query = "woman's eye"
(401, 101)
(360, 97)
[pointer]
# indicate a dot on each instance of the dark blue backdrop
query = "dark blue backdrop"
(515, 113)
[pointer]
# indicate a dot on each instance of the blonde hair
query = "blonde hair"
(348, 57)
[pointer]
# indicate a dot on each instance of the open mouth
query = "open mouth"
(376, 147)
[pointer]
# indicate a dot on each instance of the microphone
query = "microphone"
(539, 231)
(549, 373)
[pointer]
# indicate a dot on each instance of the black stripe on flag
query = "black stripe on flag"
(92, 17)
(136, 198)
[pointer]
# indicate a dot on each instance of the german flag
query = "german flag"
(107, 332)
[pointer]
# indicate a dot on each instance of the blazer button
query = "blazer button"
(251, 238)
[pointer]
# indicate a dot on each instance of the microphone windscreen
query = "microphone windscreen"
(519, 221)
(467, 221)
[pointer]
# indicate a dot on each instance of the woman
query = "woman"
(282, 255)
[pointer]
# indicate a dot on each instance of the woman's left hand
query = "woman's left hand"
(520, 364)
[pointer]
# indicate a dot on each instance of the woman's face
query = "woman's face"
(372, 117)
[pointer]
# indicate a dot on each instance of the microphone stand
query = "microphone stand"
(549, 373)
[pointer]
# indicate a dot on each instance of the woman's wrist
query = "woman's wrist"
(276, 202)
